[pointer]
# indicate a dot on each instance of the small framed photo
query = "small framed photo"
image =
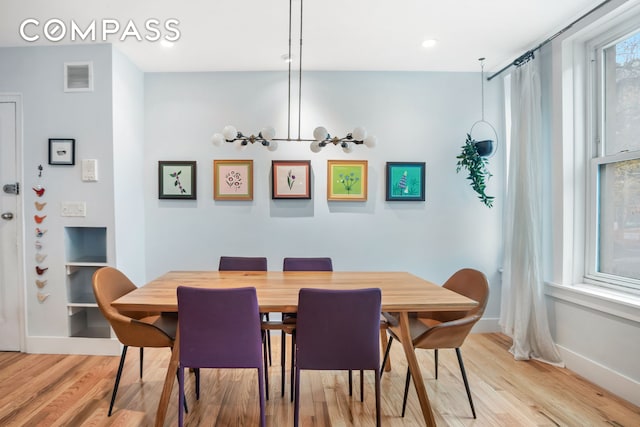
(233, 179)
(62, 151)
(405, 181)
(347, 180)
(290, 179)
(177, 180)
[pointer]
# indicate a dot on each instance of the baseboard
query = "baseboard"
(73, 345)
(604, 377)
(486, 325)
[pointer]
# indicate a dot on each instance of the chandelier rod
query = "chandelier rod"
(300, 76)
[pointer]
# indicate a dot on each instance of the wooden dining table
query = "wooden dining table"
(277, 292)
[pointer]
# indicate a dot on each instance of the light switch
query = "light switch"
(73, 209)
(89, 170)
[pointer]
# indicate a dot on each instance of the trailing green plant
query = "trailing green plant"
(476, 167)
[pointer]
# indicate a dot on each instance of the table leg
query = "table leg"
(410, 354)
(169, 379)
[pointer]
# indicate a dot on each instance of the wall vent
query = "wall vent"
(78, 77)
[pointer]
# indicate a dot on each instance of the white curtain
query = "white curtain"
(523, 314)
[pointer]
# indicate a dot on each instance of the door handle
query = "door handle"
(7, 215)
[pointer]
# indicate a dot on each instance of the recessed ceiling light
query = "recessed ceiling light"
(429, 43)
(166, 43)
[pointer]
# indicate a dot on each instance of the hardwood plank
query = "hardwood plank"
(60, 390)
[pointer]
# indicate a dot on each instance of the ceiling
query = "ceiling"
(244, 35)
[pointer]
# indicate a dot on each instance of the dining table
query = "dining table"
(277, 291)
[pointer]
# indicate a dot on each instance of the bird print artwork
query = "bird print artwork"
(41, 271)
(39, 191)
(40, 232)
(41, 283)
(39, 219)
(40, 258)
(42, 297)
(40, 206)
(38, 245)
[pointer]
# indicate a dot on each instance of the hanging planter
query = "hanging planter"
(476, 166)
(474, 153)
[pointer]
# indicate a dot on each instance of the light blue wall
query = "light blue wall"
(49, 112)
(416, 117)
(128, 171)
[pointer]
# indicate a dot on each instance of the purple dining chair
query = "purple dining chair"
(289, 319)
(209, 340)
(238, 263)
(338, 330)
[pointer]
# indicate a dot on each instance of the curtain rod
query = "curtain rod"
(529, 54)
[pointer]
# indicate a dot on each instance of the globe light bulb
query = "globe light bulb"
(347, 147)
(315, 147)
(229, 132)
(273, 146)
(268, 133)
(217, 139)
(359, 133)
(320, 133)
(370, 141)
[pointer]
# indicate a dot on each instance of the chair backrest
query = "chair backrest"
(338, 329)
(307, 264)
(471, 283)
(455, 326)
(110, 284)
(236, 263)
(219, 328)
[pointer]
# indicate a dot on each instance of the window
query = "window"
(613, 254)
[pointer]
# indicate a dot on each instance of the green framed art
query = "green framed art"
(405, 181)
(347, 180)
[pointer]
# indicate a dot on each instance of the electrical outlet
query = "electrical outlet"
(73, 209)
(89, 170)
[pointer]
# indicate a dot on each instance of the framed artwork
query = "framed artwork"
(62, 151)
(290, 179)
(177, 180)
(233, 179)
(405, 181)
(347, 180)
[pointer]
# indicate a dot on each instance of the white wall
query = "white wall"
(416, 117)
(128, 174)
(49, 112)
(597, 334)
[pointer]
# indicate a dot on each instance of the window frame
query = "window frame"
(595, 150)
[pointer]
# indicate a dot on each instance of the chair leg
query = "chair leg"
(386, 355)
(361, 385)
(268, 339)
(141, 359)
(196, 371)
(466, 383)
(186, 409)
(296, 405)
(406, 391)
(181, 399)
(293, 363)
(117, 383)
(350, 382)
(262, 377)
(378, 416)
(283, 360)
(266, 368)
(435, 360)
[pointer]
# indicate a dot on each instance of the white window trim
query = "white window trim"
(569, 129)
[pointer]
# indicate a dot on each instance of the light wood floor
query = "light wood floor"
(55, 390)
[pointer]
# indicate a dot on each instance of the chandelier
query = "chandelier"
(321, 137)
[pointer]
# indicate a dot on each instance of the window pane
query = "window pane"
(619, 211)
(622, 95)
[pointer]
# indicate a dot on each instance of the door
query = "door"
(10, 309)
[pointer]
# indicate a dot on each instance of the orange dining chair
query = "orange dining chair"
(436, 330)
(136, 329)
